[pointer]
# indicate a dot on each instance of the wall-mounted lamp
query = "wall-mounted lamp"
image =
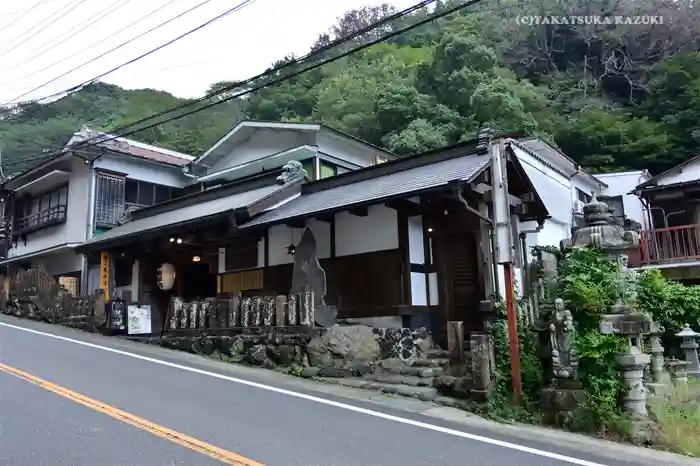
(196, 259)
(179, 241)
(172, 240)
(430, 230)
(292, 249)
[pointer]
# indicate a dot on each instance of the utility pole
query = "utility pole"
(504, 253)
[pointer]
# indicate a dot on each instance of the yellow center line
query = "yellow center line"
(179, 438)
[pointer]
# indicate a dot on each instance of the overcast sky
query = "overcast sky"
(236, 47)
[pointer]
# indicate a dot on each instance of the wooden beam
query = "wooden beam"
(359, 211)
(327, 218)
(411, 208)
(299, 223)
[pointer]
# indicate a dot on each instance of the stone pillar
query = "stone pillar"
(678, 373)
(280, 310)
(657, 359)
(481, 365)
(455, 342)
(632, 367)
(690, 348)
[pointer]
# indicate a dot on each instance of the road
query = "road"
(69, 398)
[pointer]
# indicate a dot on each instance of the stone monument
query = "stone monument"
(565, 394)
(689, 346)
(309, 275)
(603, 231)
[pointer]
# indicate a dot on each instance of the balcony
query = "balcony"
(671, 245)
(55, 215)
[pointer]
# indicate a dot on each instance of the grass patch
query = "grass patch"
(677, 416)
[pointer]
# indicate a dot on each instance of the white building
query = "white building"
(84, 192)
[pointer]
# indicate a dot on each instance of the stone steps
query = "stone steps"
(395, 379)
(428, 362)
(422, 393)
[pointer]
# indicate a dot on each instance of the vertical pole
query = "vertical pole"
(513, 342)
(504, 253)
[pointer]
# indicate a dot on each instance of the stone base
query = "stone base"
(324, 316)
(657, 388)
(561, 405)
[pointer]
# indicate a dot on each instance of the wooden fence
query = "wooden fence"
(237, 312)
(37, 295)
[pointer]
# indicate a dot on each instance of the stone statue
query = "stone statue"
(291, 170)
(308, 273)
(602, 231)
(561, 334)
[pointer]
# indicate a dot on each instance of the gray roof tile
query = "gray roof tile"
(185, 214)
(403, 182)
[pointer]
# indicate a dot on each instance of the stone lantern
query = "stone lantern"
(690, 347)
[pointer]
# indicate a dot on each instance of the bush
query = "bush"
(670, 303)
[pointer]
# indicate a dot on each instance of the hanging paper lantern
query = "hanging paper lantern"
(166, 276)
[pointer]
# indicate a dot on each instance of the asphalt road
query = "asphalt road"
(261, 418)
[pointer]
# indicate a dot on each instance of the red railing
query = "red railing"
(669, 245)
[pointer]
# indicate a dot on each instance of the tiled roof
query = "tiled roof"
(136, 148)
(392, 185)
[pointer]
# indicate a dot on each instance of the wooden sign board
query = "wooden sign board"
(104, 273)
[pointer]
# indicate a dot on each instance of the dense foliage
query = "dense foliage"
(611, 96)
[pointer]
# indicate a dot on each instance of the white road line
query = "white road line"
(369, 412)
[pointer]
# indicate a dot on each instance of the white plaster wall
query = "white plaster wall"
(690, 172)
(554, 189)
(353, 235)
(143, 170)
(74, 230)
(262, 143)
(415, 240)
(348, 149)
(280, 237)
(378, 231)
(419, 291)
(621, 184)
(56, 264)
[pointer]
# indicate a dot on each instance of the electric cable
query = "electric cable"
(59, 40)
(41, 27)
(224, 14)
(435, 16)
(95, 44)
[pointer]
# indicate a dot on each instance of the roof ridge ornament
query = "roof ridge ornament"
(291, 170)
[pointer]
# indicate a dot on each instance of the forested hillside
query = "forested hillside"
(612, 97)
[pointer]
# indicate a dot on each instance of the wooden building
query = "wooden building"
(403, 243)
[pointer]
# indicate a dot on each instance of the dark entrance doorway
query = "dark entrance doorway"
(462, 280)
(200, 284)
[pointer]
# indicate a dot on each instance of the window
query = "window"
(41, 211)
(328, 170)
(309, 165)
(583, 197)
(115, 194)
(109, 199)
(240, 257)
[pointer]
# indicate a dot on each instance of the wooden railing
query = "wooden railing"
(52, 216)
(669, 245)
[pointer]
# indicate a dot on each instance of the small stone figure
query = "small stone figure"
(291, 170)
(562, 333)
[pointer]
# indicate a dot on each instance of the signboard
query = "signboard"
(117, 315)
(138, 320)
(104, 273)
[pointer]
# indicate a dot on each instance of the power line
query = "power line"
(58, 41)
(42, 27)
(27, 11)
(95, 44)
(241, 5)
(435, 16)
